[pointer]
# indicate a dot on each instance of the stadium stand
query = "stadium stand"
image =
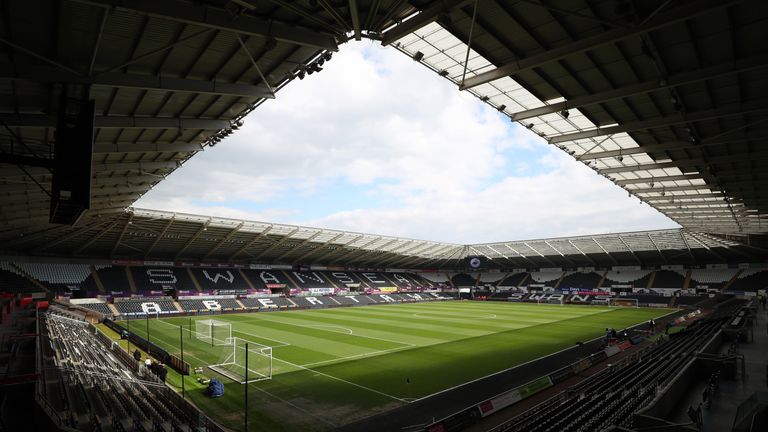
(219, 279)
(267, 303)
(309, 279)
(60, 277)
(636, 278)
(159, 278)
(711, 278)
(610, 398)
(89, 396)
(463, 280)
(512, 280)
(209, 304)
(668, 279)
(145, 306)
(583, 280)
(99, 307)
(750, 280)
(114, 279)
(547, 277)
(347, 279)
(261, 278)
(11, 281)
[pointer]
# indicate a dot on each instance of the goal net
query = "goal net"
(214, 332)
(246, 362)
(622, 302)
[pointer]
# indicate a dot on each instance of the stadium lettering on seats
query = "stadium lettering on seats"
(267, 303)
(268, 277)
(161, 276)
(401, 278)
(313, 276)
(343, 277)
(212, 304)
(215, 279)
(372, 277)
(387, 298)
(314, 300)
(149, 308)
(353, 299)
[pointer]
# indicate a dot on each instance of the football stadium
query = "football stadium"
(117, 317)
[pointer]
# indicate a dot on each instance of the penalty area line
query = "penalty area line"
(372, 353)
(340, 379)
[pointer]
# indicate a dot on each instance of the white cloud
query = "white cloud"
(452, 169)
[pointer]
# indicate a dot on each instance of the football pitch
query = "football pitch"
(335, 366)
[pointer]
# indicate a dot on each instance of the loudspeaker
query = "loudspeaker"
(73, 154)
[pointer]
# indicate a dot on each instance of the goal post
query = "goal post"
(246, 362)
(214, 332)
(623, 302)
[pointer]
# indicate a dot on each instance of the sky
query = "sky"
(378, 143)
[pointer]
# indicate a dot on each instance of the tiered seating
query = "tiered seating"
(96, 391)
(587, 281)
(159, 278)
(406, 280)
(418, 279)
(266, 303)
(60, 277)
(636, 278)
(609, 398)
(668, 279)
(13, 282)
(512, 280)
(114, 279)
(689, 300)
(750, 280)
(313, 279)
(315, 301)
(436, 278)
(99, 307)
(144, 306)
(219, 279)
(547, 278)
(209, 304)
(463, 280)
(261, 278)
(712, 278)
(346, 278)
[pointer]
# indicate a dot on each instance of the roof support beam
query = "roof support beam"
(145, 147)
(192, 239)
(421, 19)
(125, 80)
(299, 259)
(276, 244)
(160, 235)
(120, 122)
(253, 241)
(678, 14)
(660, 147)
(219, 19)
(354, 12)
(679, 118)
(304, 242)
(223, 240)
(681, 163)
(723, 69)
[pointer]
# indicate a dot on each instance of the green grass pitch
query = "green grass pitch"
(334, 366)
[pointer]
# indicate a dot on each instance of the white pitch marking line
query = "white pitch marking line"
(322, 326)
(372, 353)
(312, 325)
(342, 380)
(254, 335)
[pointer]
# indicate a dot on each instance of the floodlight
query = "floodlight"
(443, 73)
(301, 75)
(619, 158)
(418, 56)
(565, 114)
(501, 107)
(327, 55)
(529, 125)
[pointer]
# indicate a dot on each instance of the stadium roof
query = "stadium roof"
(141, 234)
(668, 99)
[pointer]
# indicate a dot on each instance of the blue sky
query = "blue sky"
(378, 143)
